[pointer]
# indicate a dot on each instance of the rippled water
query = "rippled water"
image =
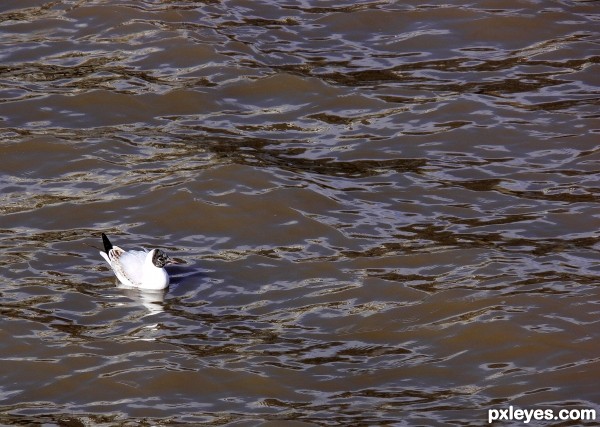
(388, 210)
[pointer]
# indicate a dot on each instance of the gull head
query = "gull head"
(160, 259)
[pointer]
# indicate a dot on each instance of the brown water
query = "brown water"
(388, 211)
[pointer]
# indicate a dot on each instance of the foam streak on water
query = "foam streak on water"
(388, 211)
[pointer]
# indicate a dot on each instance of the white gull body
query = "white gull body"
(138, 269)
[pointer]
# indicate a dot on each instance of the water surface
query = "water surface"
(388, 211)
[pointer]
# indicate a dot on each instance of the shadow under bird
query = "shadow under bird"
(139, 269)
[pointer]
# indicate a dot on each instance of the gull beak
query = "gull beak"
(175, 261)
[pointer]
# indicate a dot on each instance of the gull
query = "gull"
(139, 269)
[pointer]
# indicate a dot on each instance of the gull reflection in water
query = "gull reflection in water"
(153, 300)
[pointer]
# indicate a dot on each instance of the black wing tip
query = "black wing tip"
(107, 245)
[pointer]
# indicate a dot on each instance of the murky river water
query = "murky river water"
(388, 211)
